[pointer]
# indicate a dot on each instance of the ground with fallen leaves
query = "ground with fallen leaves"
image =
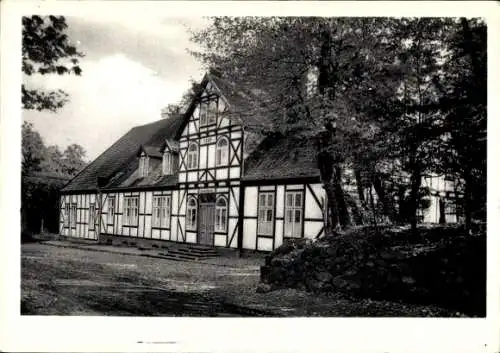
(66, 281)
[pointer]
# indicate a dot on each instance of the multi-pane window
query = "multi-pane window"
(92, 216)
(66, 214)
(212, 112)
(203, 113)
(167, 163)
(191, 214)
(143, 166)
(131, 211)
(192, 156)
(266, 214)
(72, 215)
(293, 214)
(161, 211)
(220, 214)
(221, 152)
(111, 210)
(208, 112)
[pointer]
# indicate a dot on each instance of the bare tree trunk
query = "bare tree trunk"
(416, 179)
(442, 217)
(468, 200)
(344, 218)
(372, 204)
(359, 186)
(388, 206)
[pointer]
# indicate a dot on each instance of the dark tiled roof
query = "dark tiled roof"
(152, 151)
(242, 104)
(172, 144)
(279, 157)
(121, 159)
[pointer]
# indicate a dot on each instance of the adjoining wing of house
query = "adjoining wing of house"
(195, 178)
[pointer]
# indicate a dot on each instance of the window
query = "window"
(266, 214)
(220, 214)
(212, 112)
(111, 210)
(66, 214)
(191, 214)
(293, 214)
(203, 113)
(221, 152)
(167, 163)
(208, 112)
(161, 211)
(143, 166)
(72, 215)
(131, 211)
(192, 156)
(92, 216)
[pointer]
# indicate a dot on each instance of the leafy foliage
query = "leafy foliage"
(46, 49)
(45, 170)
(36, 157)
(379, 95)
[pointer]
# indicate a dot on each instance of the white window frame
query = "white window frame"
(67, 210)
(203, 107)
(131, 211)
(293, 229)
(191, 213)
(222, 152)
(92, 216)
(192, 156)
(111, 210)
(161, 211)
(73, 215)
(265, 219)
(143, 165)
(212, 111)
(167, 163)
(221, 214)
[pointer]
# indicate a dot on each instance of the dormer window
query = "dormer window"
(143, 165)
(167, 163)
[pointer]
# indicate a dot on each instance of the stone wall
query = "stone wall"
(444, 266)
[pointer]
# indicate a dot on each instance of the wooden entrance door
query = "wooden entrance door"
(207, 220)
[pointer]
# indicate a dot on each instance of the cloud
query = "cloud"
(132, 69)
(115, 94)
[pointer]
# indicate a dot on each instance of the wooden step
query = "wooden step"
(178, 257)
(204, 253)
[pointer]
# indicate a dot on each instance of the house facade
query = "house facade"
(190, 179)
(202, 177)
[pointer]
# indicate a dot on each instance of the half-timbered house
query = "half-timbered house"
(200, 177)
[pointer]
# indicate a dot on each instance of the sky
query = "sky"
(133, 67)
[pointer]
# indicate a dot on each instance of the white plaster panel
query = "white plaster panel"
(219, 240)
(249, 233)
(278, 233)
(251, 201)
(265, 244)
(311, 228)
(190, 237)
(234, 172)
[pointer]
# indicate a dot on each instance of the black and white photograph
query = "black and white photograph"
(253, 166)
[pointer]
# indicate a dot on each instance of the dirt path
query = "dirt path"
(65, 281)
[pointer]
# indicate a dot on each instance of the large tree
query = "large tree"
(328, 77)
(371, 90)
(46, 49)
(37, 157)
(464, 102)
